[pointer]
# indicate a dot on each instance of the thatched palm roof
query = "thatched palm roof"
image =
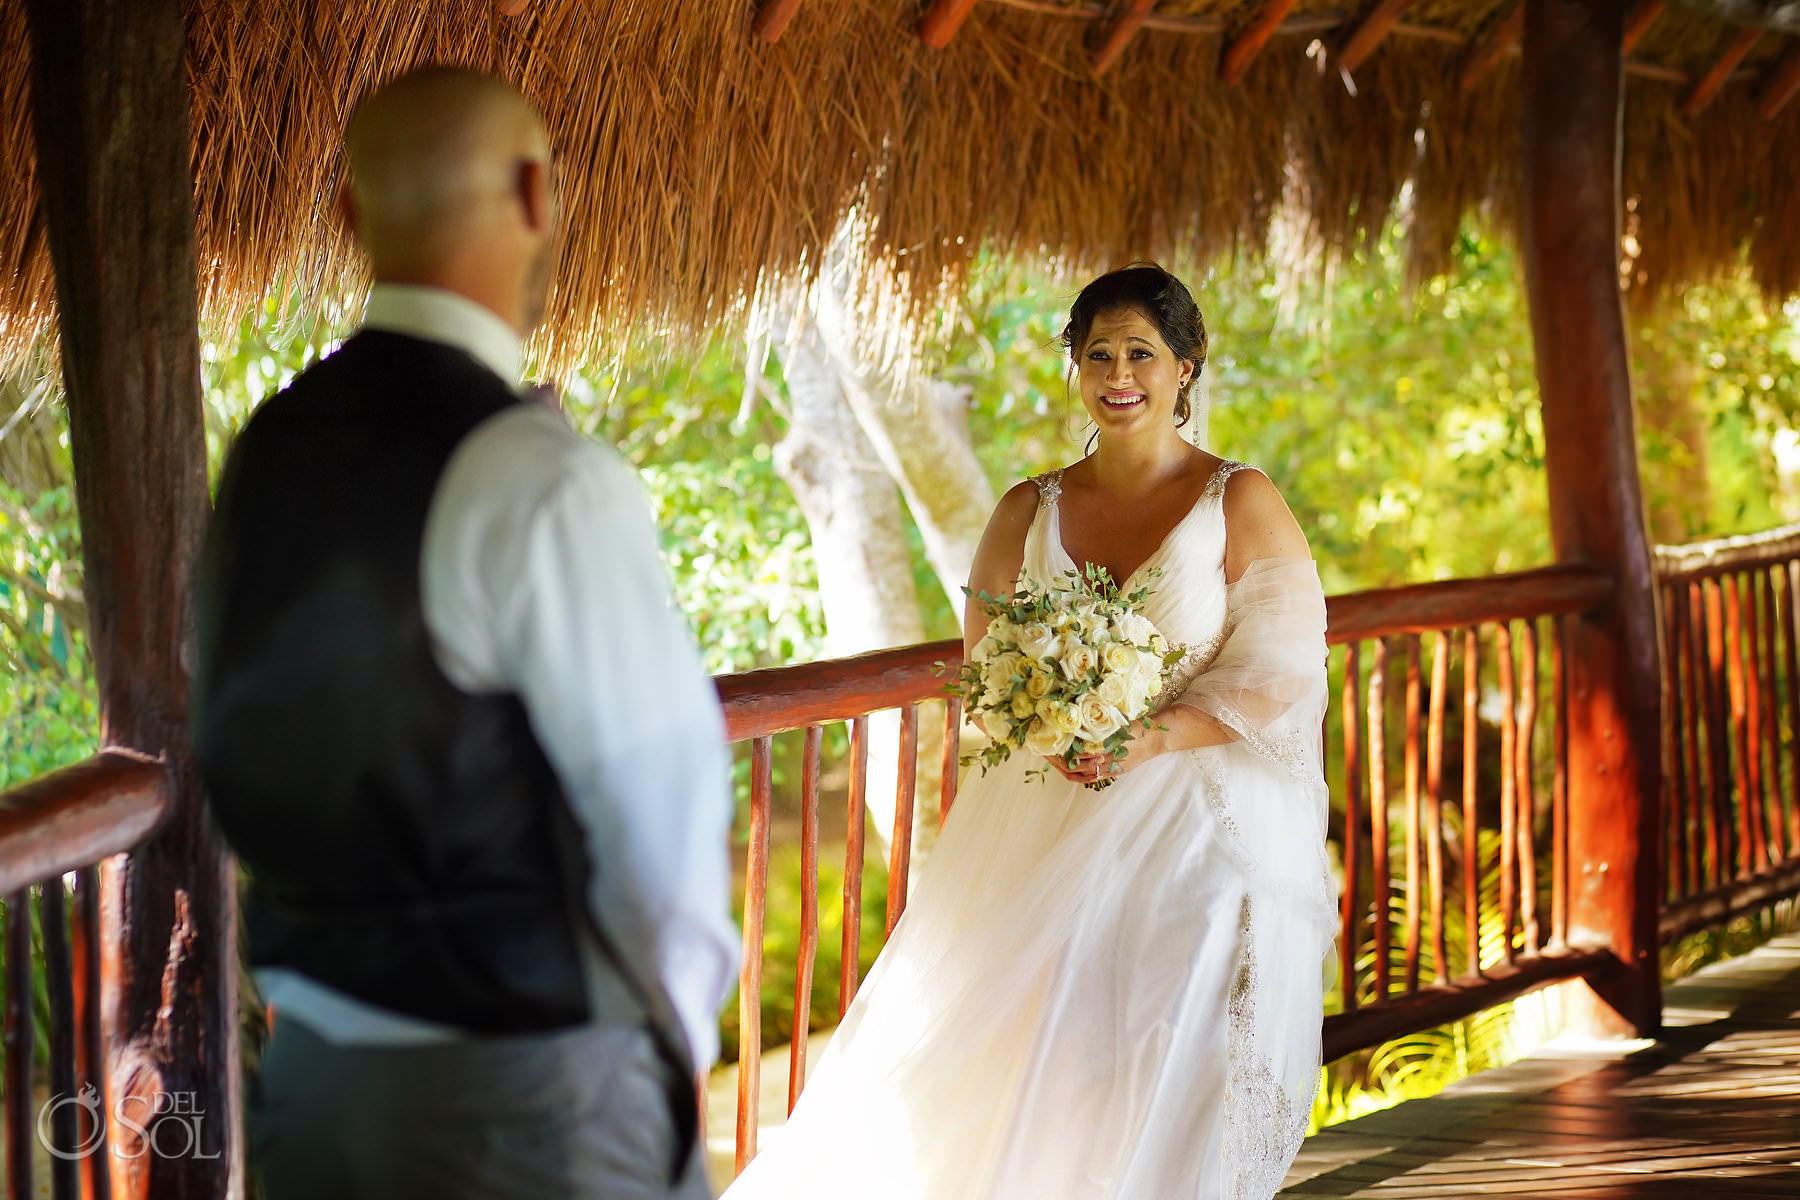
(700, 162)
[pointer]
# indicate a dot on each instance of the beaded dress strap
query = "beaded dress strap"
(1215, 487)
(1049, 486)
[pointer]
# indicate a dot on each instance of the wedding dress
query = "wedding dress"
(1115, 994)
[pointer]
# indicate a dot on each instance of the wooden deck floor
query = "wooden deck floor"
(1711, 1110)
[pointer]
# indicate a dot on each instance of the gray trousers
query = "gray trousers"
(581, 1113)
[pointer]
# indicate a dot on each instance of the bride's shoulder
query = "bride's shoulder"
(1258, 522)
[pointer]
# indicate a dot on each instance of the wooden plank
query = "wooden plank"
(1119, 34)
(1367, 35)
(806, 955)
(1346, 1033)
(79, 815)
(1721, 904)
(1639, 22)
(1713, 81)
(772, 19)
(1781, 85)
(756, 890)
(110, 104)
(1572, 96)
(856, 820)
(942, 20)
(900, 849)
(1242, 49)
(1498, 42)
(770, 701)
(1700, 560)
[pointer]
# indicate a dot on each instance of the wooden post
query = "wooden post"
(1573, 102)
(110, 100)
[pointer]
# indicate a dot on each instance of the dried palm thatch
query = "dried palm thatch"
(700, 167)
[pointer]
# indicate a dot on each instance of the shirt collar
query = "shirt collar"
(443, 316)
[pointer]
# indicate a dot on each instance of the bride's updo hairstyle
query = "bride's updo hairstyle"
(1165, 302)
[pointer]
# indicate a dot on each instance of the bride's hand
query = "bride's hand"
(1145, 743)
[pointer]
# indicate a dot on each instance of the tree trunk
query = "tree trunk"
(919, 430)
(859, 542)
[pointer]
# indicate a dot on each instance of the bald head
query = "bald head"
(449, 186)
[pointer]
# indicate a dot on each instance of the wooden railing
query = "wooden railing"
(1501, 825)
(64, 822)
(1731, 727)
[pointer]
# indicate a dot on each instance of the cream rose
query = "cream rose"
(1038, 683)
(1115, 690)
(1059, 716)
(1078, 660)
(1136, 628)
(1004, 629)
(1099, 720)
(1021, 705)
(1119, 659)
(985, 649)
(997, 725)
(1003, 667)
(1045, 739)
(1037, 640)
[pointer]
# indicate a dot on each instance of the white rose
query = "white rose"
(1038, 683)
(997, 725)
(1059, 716)
(1045, 739)
(1003, 630)
(1062, 620)
(1099, 720)
(1078, 660)
(1119, 659)
(1036, 640)
(1147, 681)
(1115, 690)
(1135, 628)
(1003, 667)
(985, 649)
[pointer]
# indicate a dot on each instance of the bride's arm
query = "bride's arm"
(1258, 525)
(999, 556)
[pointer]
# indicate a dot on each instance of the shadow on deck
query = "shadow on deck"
(1710, 1110)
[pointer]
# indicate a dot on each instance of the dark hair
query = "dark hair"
(1165, 302)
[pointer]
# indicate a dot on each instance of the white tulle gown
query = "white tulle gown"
(1111, 994)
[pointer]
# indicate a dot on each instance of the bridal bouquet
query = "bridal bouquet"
(1063, 671)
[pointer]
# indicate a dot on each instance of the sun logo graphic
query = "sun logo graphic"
(89, 1124)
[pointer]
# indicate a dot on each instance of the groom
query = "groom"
(452, 726)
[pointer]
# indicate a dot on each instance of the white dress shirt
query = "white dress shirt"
(540, 576)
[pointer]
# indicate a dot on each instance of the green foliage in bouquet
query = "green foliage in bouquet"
(1064, 671)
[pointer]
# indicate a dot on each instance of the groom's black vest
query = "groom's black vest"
(407, 842)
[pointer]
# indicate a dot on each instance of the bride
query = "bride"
(1112, 994)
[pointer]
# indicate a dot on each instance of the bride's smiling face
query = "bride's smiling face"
(1130, 379)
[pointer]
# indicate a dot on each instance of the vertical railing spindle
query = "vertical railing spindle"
(1750, 666)
(1414, 817)
(1559, 792)
(1675, 745)
(1349, 943)
(1693, 702)
(856, 820)
(808, 954)
(1434, 802)
(1526, 787)
(1378, 830)
(90, 1041)
(756, 884)
(1739, 809)
(53, 923)
(21, 1044)
(1790, 595)
(1471, 795)
(900, 852)
(1718, 733)
(1774, 835)
(1509, 813)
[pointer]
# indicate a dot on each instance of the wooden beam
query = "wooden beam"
(772, 19)
(1782, 85)
(1243, 48)
(942, 20)
(1113, 42)
(1572, 94)
(1710, 83)
(1486, 54)
(1366, 36)
(110, 99)
(1639, 22)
